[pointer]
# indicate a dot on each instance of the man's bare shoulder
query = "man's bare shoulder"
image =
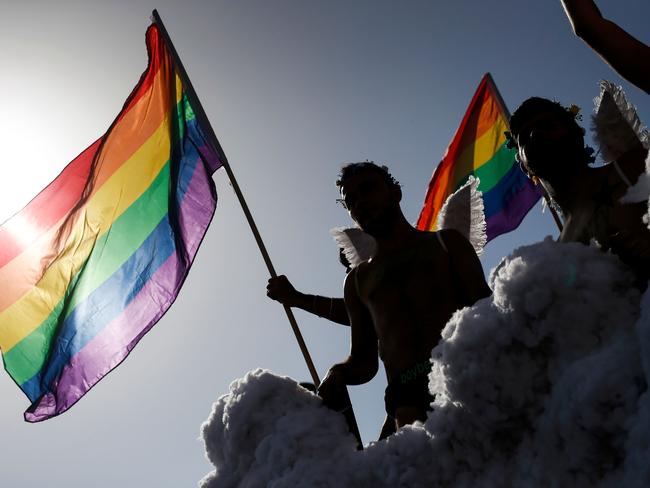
(351, 277)
(351, 287)
(358, 274)
(431, 238)
(453, 239)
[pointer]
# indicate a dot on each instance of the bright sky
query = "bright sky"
(293, 90)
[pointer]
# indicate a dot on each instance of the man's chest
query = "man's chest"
(408, 276)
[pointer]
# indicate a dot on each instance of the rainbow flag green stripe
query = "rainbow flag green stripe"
(127, 234)
(95, 272)
(479, 149)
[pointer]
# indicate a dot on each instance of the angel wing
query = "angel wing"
(463, 210)
(618, 129)
(615, 124)
(355, 243)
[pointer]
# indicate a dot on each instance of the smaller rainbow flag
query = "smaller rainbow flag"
(479, 149)
(94, 260)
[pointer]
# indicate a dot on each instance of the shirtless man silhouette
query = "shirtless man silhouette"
(400, 300)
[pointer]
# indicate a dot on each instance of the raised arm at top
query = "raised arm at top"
(622, 51)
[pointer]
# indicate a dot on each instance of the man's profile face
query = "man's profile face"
(547, 142)
(368, 198)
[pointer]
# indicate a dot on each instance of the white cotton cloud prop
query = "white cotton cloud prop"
(542, 384)
(270, 428)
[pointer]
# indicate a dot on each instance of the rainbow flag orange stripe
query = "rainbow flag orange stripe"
(479, 149)
(94, 261)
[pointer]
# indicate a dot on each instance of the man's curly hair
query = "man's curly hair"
(352, 169)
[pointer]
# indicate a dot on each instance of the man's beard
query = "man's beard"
(381, 224)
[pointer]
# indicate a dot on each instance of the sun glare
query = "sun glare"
(32, 156)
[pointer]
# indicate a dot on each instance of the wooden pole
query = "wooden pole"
(500, 101)
(205, 123)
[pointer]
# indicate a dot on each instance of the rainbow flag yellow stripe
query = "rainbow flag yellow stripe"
(94, 260)
(479, 149)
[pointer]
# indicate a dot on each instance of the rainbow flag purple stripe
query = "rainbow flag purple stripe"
(94, 260)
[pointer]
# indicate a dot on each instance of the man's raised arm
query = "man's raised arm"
(622, 51)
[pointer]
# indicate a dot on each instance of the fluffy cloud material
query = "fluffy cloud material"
(542, 384)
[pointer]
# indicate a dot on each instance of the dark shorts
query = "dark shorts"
(410, 388)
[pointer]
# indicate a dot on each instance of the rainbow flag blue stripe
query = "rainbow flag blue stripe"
(479, 149)
(94, 260)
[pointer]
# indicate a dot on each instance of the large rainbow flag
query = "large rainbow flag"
(93, 261)
(479, 149)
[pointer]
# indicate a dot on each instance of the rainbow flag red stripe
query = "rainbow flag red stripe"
(94, 261)
(479, 149)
